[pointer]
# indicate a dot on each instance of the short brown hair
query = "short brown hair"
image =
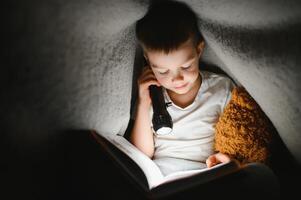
(166, 25)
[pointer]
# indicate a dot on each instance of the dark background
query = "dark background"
(63, 71)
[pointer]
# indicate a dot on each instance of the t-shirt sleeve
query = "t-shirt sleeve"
(229, 86)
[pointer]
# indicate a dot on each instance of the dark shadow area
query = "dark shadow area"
(137, 68)
(285, 167)
(75, 167)
(246, 184)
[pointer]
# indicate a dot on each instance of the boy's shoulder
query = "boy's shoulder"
(214, 78)
(219, 84)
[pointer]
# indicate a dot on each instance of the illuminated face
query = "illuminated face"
(178, 70)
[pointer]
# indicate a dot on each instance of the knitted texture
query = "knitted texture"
(242, 130)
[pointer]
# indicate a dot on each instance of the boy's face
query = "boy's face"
(178, 70)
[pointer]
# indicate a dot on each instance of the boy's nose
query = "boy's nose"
(177, 77)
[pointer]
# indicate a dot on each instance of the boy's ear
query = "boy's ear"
(145, 59)
(200, 48)
(145, 56)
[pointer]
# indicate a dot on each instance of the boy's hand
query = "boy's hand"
(146, 79)
(216, 159)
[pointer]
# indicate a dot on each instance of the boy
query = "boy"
(172, 45)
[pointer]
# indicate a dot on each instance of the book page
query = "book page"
(151, 170)
(184, 174)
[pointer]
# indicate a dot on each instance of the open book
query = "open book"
(153, 173)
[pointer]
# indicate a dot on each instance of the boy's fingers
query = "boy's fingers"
(146, 74)
(211, 161)
(222, 157)
(208, 163)
(147, 78)
(216, 159)
(146, 69)
(152, 82)
(148, 83)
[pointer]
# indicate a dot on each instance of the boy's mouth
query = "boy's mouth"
(181, 86)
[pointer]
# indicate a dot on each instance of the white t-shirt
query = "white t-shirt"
(191, 141)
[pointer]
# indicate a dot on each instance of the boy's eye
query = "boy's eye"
(163, 72)
(186, 67)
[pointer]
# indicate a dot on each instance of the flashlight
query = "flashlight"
(162, 122)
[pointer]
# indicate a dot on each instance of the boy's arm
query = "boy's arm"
(142, 135)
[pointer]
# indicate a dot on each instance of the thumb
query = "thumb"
(211, 161)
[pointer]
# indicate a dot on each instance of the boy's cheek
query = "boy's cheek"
(160, 79)
(163, 82)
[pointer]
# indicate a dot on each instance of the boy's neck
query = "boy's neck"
(184, 100)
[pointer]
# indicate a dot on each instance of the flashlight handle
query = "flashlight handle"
(158, 101)
(162, 122)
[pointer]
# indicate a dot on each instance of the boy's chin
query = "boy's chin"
(181, 91)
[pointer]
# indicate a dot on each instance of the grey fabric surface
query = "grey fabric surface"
(69, 65)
